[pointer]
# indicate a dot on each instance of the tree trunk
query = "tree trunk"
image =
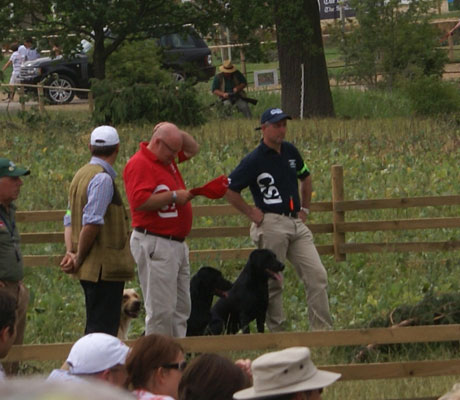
(99, 55)
(300, 42)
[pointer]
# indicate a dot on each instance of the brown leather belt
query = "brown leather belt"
(169, 237)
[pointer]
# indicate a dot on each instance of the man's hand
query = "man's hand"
(68, 263)
(256, 216)
(302, 215)
(183, 196)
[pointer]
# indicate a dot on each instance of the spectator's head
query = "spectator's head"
(104, 141)
(454, 394)
(33, 388)
(7, 322)
(28, 42)
(100, 356)
(14, 47)
(155, 363)
(227, 68)
(10, 181)
(287, 374)
(166, 142)
(209, 377)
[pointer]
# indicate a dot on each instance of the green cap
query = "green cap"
(8, 168)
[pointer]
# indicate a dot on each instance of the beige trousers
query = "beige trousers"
(289, 238)
(164, 275)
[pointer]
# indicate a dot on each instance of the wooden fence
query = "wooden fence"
(41, 94)
(337, 229)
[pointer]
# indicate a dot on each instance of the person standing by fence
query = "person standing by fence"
(11, 263)
(162, 218)
(272, 172)
(97, 234)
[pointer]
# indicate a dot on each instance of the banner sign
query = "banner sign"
(330, 9)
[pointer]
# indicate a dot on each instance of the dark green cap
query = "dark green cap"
(8, 168)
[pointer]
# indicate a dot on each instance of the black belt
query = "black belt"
(292, 214)
(169, 237)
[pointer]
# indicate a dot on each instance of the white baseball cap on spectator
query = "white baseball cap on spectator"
(96, 352)
(104, 135)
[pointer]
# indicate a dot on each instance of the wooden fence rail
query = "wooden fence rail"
(274, 341)
(337, 228)
(41, 94)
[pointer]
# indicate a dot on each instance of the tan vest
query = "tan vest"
(110, 257)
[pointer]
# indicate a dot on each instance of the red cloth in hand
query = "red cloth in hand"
(214, 189)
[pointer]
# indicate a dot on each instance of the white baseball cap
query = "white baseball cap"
(96, 352)
(104, 135)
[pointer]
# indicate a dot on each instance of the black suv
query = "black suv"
(186, 55)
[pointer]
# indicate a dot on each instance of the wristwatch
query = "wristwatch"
(174, 198)
(305, 210)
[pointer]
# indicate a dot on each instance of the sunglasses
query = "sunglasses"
(179, 366)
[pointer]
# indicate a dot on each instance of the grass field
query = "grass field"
(382, 157)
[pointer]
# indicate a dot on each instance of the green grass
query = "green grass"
(382, 157)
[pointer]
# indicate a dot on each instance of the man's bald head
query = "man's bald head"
(166, 142)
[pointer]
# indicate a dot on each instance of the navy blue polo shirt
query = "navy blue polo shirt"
(271, 177)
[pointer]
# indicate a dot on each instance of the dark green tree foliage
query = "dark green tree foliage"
(109, 23)
(392, 41)
(137, 89)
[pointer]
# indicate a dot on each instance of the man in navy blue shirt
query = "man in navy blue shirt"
(272, 172)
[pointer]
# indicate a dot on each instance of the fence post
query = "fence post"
(41, 103)
(22, 99)
(338, 216)
(90, 101)
(450, 41)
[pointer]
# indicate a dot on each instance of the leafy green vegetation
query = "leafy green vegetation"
(401, 156)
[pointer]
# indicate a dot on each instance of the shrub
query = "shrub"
(430, 95)
(137, 89)
(391, 41)
(116, 104)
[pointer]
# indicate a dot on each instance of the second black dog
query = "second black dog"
(248, 298)
(206, 283)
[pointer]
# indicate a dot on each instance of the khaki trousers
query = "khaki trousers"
(164, 275)
(21, 294)
(290, 238)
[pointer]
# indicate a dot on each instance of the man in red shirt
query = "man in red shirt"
(162, 218)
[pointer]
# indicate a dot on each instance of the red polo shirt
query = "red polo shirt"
(144, 175)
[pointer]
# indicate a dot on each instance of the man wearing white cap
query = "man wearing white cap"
(96, 355)
(287, 374)
(97, 234)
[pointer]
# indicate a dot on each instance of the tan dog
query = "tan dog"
(130, 308)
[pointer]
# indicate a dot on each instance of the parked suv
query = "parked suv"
(185, 54)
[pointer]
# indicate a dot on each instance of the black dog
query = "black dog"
(206, 283)
(248, 298)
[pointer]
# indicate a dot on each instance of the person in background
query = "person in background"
(162, 218)
(210, 377)
(96, 356)
(16, 60)
(7, 325)
(155, 365)
(287, 375)
(272, 172)
(28, 51)
(97, 234)
(229, 86)
(11, 262)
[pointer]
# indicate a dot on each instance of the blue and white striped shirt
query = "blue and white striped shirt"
(99, 192)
